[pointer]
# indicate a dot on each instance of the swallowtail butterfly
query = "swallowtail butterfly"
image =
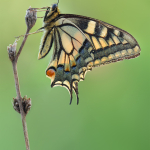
(81, 43)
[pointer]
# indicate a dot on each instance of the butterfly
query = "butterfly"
(81, 43)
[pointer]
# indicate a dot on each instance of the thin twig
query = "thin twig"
(19, 98)
(22, 45)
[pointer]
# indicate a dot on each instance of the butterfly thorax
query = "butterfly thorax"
(51, 16)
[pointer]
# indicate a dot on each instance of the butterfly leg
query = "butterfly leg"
(29, 33)
(39, 9)
(40, 17)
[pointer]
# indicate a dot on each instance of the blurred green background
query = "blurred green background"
(114, 108)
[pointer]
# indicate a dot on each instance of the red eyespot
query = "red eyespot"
(50, 73)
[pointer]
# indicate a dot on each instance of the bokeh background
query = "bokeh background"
(114, 108)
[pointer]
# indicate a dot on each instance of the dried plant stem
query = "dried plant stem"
(22, 105)
(14, 58)
(23, 42)
(23, 115)
(19, 98)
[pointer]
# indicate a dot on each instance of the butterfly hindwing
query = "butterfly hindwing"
(71, 57)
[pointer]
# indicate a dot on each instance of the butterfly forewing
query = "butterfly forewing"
(46, 43)
(111, 43)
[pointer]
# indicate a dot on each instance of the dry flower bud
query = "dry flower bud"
(26, 102)
(12, 51)
(31, 16)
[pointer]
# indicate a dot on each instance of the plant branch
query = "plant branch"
(22, 105)
(19, 98)
(22, 45)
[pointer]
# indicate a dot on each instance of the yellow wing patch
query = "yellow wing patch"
(91, 27)
(96, 43)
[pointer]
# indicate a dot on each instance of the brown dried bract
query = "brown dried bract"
(31, 16)
(26, 103)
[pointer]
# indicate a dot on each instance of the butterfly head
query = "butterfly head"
(51, 13)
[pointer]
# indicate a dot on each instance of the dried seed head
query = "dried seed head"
(26, 102)
(12, 50)
(31, 16)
